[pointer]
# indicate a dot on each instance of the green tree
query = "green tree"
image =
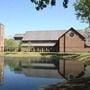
(10, 45)
(40, 4)
(82, 8)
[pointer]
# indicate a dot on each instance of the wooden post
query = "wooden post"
(64, 43)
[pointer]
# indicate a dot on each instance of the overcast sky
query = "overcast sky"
(19, 16)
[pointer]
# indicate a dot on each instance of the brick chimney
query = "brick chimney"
(1, 37)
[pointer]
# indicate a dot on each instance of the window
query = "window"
(71, 34)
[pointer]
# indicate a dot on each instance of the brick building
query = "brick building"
(1, 37)
(54, 41)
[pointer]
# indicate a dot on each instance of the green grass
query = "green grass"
(85, 58)
(22, 54)
(82, 57)
(38, 54)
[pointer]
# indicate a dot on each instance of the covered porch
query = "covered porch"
(38, 47)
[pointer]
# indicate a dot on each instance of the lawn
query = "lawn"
(83, 57)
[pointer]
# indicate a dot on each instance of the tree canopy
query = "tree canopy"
(41, 4)
(10, 45)
(82, 8)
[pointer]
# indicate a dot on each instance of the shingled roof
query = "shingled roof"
(42, 35)
(47, 35)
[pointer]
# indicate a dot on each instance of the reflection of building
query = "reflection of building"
(51, 73)
(1, 37)
(40, 69)
(71, 69)
(53, 41)
(1, 70)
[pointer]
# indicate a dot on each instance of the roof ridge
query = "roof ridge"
(19, 34)
(45, 30)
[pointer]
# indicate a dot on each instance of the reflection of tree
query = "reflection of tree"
(13, 64)
(18, 67)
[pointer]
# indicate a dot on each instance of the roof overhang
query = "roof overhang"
(38, 44)
(74, 31)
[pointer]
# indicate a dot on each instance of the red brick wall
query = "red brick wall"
(72, 44)
(1, 37)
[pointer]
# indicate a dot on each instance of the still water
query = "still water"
(42, 74)
(14, 76)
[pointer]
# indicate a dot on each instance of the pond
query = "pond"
(14, 76)
(39, 73)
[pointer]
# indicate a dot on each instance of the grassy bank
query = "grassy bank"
(22, 54)
(77, 84)
(83, 57)
(38, 54)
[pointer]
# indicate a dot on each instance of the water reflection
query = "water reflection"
(70, 69)
(46, 67)
(14, 71)
(76, 73)
(1, 70)
(34, 68)
(79, 84)
(20, 75)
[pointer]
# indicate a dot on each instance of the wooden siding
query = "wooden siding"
(64, 42)
(71, 44)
